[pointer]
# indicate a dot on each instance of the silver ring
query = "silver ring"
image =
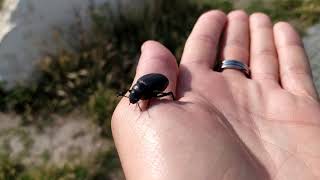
(235, 64)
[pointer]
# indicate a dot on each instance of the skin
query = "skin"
(225, 126)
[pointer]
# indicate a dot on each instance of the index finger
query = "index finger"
(201, 47)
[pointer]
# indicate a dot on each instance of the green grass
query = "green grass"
(103, 166)
(102, 61)
(301, 13)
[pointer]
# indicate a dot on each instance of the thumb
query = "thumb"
(155, 58)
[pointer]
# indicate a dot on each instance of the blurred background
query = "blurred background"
(62, 62)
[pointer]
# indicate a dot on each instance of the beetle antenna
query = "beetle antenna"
(122, 94)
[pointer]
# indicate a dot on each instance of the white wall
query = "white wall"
(26, 29)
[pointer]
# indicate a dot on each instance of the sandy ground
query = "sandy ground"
(71, 139)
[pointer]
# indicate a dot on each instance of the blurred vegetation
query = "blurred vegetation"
(301, 13)
(1, 4)
(103, 166)
(102, 60)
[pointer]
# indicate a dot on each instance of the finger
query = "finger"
(126, 128)
(201, 47)
(264, 59)
(295, 71)
(236, 40)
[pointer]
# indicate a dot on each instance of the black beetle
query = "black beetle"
(147, 87)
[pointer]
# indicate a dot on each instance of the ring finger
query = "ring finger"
(236, 40)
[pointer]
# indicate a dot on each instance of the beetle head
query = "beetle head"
(134, 97)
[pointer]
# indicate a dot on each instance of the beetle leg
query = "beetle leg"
(139, 107)
(166, 94)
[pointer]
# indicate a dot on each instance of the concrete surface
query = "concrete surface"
(312, 46)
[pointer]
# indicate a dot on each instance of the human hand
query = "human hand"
(224, 125)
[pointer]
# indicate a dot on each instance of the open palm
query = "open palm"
(225, 125)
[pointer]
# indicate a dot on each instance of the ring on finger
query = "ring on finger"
(237, 65)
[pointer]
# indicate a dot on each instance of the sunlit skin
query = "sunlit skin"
(225, 126)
